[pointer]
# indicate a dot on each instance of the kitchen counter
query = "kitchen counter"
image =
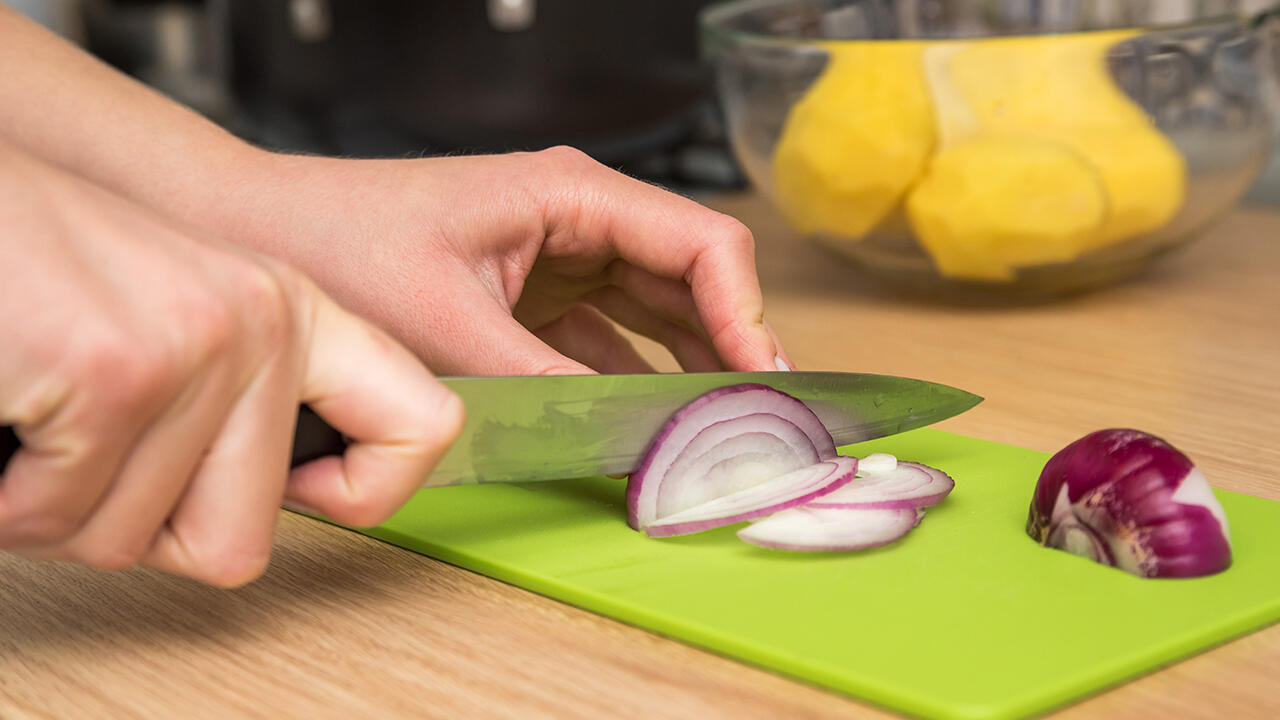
(345, 626)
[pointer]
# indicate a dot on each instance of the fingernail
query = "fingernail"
(781, 364)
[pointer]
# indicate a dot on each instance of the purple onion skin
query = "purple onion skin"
(1120, 485)
(662, 531)
(634, 482)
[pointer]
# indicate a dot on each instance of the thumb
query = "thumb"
(485, 339)
(371, 389)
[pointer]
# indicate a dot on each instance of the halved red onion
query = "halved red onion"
(907, 485)
(777, 494)
(814, 528)
(725, 441)
(1129, 499)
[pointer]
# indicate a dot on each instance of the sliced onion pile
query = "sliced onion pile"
(787, 490)
(726, 440)
(1130, 500)
(746, 452)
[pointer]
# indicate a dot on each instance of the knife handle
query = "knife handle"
(312, 438)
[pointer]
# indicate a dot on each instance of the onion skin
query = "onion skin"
(827, 477)
(747, 407)
(743, 452)
(814, 528)
(905, 491)
(1128, 499)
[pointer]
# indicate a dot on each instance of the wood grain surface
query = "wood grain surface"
(344, 626)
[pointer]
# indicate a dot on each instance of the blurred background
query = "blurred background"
(622, 81)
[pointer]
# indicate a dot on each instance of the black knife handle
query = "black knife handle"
(313, 438)
(9, 445)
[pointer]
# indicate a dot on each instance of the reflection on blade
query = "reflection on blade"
(522, 429)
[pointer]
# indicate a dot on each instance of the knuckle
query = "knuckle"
(265, 294)
(565, 157)
(210, 325)
(729, 230)
(120, 374)
(143, 376)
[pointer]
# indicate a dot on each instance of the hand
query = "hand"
(154, 381)
(508, 264)
(516, 264)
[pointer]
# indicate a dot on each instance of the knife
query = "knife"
(523, 429)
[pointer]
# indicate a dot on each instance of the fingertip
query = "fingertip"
(781, 360)
(450, 416)
(747, 347)
(429, 418)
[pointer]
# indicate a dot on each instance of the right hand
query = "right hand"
(154, 380)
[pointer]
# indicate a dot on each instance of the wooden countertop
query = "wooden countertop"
(344, 626)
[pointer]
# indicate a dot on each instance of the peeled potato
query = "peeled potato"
(1059, 88)
(857, 141)
(1145, 177)
(992, 204)
(1001, 154)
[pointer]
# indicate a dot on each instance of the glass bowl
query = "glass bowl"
(998, 149)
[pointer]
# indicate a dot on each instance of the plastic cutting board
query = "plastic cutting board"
(966, 617)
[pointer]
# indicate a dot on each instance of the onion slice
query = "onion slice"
(724, 442)
(814, 528)
(782, 492)
(745, 452)
(907, 485)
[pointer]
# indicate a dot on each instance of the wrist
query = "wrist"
(260, 198)
(227, 185)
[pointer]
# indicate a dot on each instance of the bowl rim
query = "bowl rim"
(713, 21)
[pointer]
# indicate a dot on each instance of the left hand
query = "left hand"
(482, 265)
(516, 264)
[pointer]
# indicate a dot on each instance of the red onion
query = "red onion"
(1129, 499)
(903, 486)
(784, 491)
(727, 441)
(815, 528)
(746, 451)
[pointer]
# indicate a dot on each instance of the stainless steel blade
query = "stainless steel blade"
(522, 429)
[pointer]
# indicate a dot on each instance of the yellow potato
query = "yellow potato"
(857, 141)
(991, 204)
(1145, 176)
(1059, 88)
(1003, 153)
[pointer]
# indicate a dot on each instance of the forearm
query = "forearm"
(67, 108)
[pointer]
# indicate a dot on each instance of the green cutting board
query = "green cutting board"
(966, 617)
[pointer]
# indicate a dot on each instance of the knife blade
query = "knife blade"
(524, 429)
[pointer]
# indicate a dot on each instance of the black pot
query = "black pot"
(394, 76)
